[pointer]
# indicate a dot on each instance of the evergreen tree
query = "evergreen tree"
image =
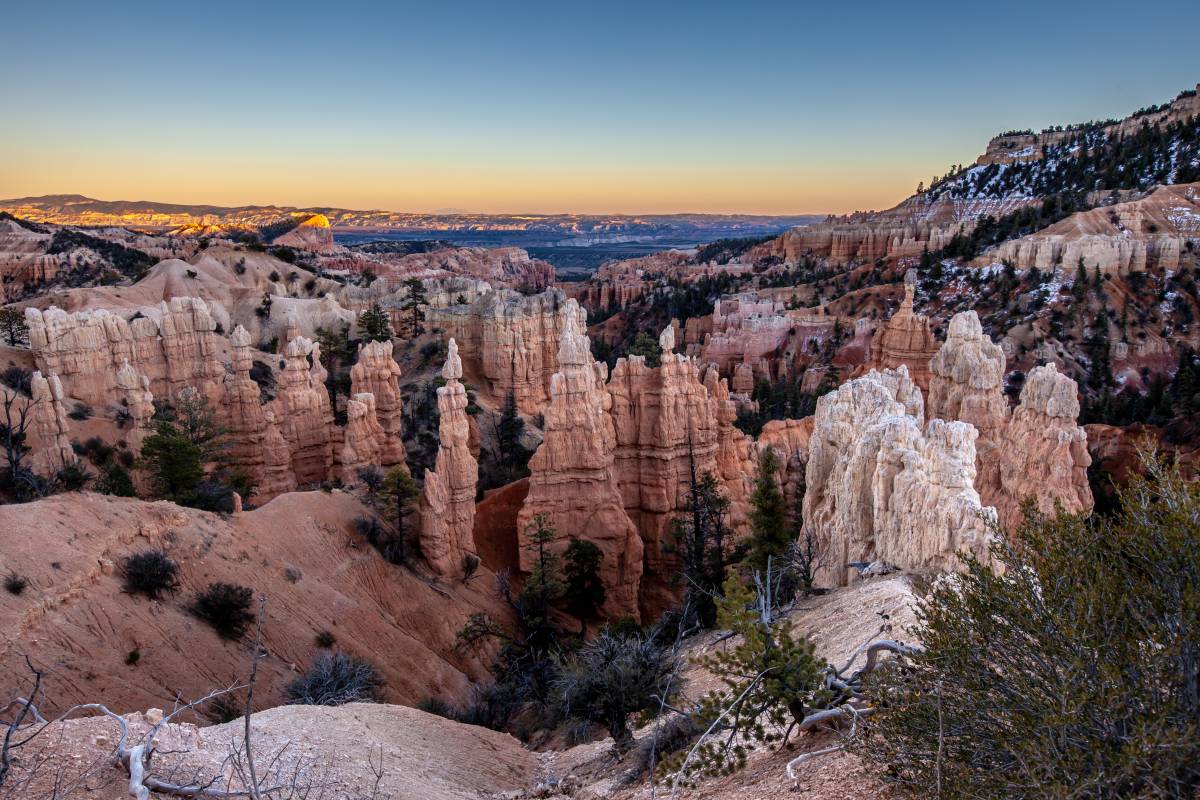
(769, 534)
(646, 345)
(513, 455)
(584, 592)
(175, 463)
(374, 324)
(701, 537)
(13, 328)
(543, 587)
(394, 500)
(412, 306)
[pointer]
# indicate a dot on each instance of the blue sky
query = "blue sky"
(759, 107)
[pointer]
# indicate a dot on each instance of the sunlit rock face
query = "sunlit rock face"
(313, 234)
(448, 498)
(884, 486)
(573, 480)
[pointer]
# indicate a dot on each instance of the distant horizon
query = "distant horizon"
(434, 213)
(774, 110)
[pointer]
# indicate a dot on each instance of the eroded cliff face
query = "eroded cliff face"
(448, 498)
(573, 477)
(1150, 232)
(177, 348)
(508, 342)
(884, 486)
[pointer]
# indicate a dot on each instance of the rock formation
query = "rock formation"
(883, 486)
(313, 234)
(905, 340)
(573, 479)
(176, 348)
(967, 384)
(47, 426)
(508, 341)
(1144, 233)
(242, 411)
(303, 413)
(363, 439)
(448, 498)
(275, 475)
(666, 427)
(1045, 454)
(378, 373)
(138, 401)
(1039, 452)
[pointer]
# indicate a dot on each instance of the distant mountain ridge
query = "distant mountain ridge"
(79, 210)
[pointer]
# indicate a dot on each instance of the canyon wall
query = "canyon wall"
(507, 342)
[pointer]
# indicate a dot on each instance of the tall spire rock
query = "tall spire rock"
(968, 385)
(666, 426)
(377, 372)
(303, 413)
(243, 410)
(906, 339)
(448, 498)
(573, 480)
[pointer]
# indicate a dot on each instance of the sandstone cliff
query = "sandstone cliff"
(508, 341)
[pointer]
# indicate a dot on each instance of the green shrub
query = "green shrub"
(226, 607)
(1073, 672)
(150, 573)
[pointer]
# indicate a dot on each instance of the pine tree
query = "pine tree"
(412, 306)
(13, 328)
(584, 592)
(769, 535)
(646, 346)
(543, 587)
(701, 537)
(374, 324)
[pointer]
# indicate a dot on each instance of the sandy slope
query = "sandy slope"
(75, 621)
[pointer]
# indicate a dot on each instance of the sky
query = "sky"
(751, 107)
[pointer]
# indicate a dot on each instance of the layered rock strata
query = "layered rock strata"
(507, 342)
